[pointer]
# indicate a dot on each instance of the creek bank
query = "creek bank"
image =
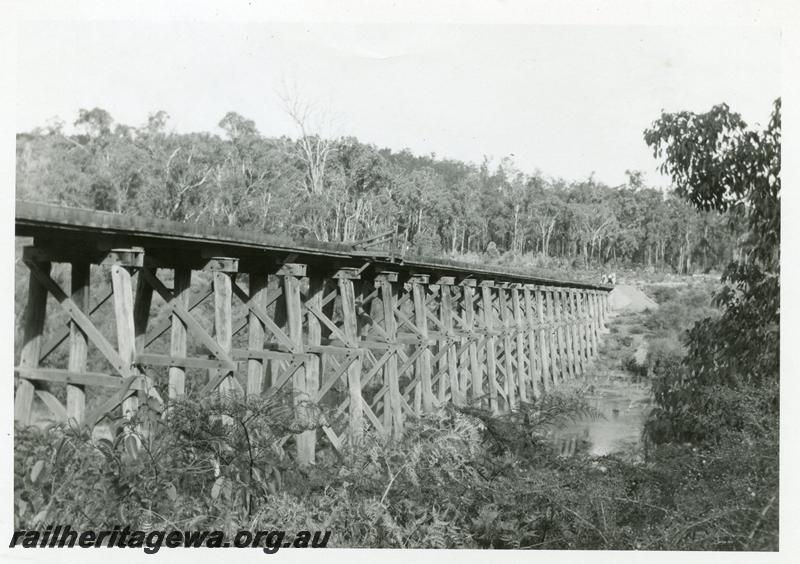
(620, 399)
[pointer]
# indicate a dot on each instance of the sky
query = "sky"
(568, 101)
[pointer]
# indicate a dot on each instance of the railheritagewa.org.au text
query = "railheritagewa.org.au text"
(63, 536)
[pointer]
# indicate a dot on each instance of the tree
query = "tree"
(241, 176)
(236, 126)
(157, 122)
(177, 171)
(313, 149)
(95, 123)
(718, 163)
(544, 214)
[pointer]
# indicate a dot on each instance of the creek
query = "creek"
(621, 407)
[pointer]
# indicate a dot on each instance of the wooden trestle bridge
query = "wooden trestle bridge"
(198, 309)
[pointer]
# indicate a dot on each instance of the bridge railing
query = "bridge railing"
(371, 339)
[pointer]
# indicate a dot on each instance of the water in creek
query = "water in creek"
(622, 407)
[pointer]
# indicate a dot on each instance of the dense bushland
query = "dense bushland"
(314, 188)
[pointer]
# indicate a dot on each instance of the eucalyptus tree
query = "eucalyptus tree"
(717, 162)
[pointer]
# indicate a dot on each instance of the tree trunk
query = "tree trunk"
(688, 253)
(514, 242)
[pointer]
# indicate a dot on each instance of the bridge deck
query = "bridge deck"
(83, 229)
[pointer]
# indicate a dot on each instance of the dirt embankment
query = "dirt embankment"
(624, 298)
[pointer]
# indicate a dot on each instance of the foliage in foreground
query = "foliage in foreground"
(724, 394)
(717, 162)
(732, 360)
(458, 478)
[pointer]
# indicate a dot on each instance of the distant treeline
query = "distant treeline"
(345, 190)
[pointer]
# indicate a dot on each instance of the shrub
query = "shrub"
(427, 243)
(663, 294)
(203, 461)
(491, 251)
(459, 478)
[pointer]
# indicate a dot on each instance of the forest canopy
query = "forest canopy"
(343, 189)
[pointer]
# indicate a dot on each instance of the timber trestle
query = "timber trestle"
(146, 309)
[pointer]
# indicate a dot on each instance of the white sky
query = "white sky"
(567, 100)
